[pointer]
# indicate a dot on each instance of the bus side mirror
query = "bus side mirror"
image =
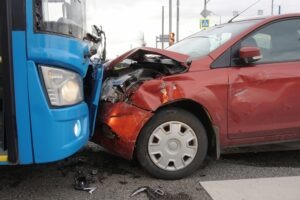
(250, 55)
(98, 37)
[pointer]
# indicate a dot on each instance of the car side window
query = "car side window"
(278, 42)
(263, 41)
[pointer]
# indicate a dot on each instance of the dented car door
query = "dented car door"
(264, 97)
(263, 100)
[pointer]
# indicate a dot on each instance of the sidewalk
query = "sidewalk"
(285, 188)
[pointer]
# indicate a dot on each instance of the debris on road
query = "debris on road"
(82, 181)
(94, 172)
(159, 194)
(151, 193)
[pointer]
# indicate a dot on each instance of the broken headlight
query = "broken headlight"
(109, 92)
(115, 89)
(64, 87)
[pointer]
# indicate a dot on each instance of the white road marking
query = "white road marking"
(285, 188)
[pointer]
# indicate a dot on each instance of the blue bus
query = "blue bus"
(49, 91)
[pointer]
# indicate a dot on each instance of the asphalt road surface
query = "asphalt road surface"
(116, 178)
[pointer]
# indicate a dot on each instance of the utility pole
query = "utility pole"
(205, 4)
(272, 8)
(178, 20)
(163, 27)
(205, 13)
(170, 16)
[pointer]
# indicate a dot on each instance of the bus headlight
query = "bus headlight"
(64, 87)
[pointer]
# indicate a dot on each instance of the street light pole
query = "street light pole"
(178, 18)
(205, 13)
(170, 16)
(272, 8)
(163, 27)
(205, 4)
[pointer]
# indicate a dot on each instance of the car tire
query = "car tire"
(172, 154)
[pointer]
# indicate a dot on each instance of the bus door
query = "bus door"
(2, 147)
(8, 132)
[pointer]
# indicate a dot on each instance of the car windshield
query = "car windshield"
(67, 17)
(206, 41)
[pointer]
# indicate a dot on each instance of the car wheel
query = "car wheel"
(172, 145)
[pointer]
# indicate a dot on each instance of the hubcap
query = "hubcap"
(173, 146)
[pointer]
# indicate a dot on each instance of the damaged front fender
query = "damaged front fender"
(155, 93)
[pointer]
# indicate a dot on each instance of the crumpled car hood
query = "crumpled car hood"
(138, 54)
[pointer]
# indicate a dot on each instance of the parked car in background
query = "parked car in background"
(232, 85)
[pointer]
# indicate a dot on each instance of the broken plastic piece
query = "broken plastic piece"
(138, 191)
(90, 189)
(152, 193)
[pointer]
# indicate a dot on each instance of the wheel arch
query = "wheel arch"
(204, 116)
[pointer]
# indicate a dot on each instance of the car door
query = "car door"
(264, 98)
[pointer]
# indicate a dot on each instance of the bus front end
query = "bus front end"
(52, 110)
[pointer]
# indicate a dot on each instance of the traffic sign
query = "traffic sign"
(163, 38)
(204, 23)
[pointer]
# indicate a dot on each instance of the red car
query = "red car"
(233, 85)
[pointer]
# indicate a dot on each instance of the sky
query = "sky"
(127, 21)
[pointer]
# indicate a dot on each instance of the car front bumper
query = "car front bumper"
(118, 127)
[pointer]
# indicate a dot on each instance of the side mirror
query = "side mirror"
(98, 50)
(94, 30)
(250, 55)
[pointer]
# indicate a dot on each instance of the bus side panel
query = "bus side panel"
(21, 97)
(53, 130)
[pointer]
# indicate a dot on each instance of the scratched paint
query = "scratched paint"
(247, 105)
(126, 119)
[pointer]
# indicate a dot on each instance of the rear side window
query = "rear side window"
(278, 42)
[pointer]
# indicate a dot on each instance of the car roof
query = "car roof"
(269, 18)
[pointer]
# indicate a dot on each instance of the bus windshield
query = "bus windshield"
(67, 17)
